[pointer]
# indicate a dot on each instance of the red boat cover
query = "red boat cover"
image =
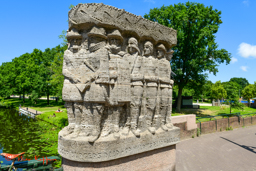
(11, 156)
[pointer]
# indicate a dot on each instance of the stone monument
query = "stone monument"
(117, 91)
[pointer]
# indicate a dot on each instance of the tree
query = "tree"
(196, 51)
(24, 75)
(249, 93)
(57, 77)
(218, 91)
(7, 79)
(207, 89)
(232, 89)
(242, 82)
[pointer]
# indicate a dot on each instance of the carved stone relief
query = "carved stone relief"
(117, 82)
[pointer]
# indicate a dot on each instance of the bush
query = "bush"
(198, 132)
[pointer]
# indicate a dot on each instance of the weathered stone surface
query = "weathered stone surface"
(163, 159)
(111, 17)
(108, 148)
(117, 85)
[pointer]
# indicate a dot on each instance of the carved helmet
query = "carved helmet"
(116, 34)
(135, 44)
(161, 46)
(150, 45)
(169, 55)
(73, 34)
(99, 32)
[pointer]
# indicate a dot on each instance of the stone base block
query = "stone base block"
(110, 148)
(162, 159)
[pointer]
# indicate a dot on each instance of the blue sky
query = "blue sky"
(28, 24)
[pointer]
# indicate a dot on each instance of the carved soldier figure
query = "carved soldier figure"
(119, 85)
(164, 72)
(70, 93)
(95, 97)
(150, 88)
(135, 62)
(169, 124)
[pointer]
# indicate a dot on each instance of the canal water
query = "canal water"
(19, 133)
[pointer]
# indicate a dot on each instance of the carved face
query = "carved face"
(148, 49)
(131, 47)
(96, 42)
(160, 53)
(114, 41)
(75, 45)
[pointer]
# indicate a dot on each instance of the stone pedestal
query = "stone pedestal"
(163, 159)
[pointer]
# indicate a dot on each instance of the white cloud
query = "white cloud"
(233, 60)
(244, 68)
(246, 50)
(150, 1)
(246, 2)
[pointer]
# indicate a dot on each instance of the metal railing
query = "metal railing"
(225, 115)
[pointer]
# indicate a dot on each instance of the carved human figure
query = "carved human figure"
(70, 92)
(163, 94)
(169, 124)
(119, 86)
(135, 63)
(150, 88)
(95, 97)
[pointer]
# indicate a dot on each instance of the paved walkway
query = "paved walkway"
(223, 151)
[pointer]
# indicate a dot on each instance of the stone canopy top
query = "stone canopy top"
(85, 16)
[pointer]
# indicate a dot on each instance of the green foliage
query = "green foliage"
(57, 77)
(232, 89)
(229, 128)
(218, 91)
(39, 73)
(196, 51)
(198, 132)
(242, 82)
(249, 92)
(63, 37)
(34, 97)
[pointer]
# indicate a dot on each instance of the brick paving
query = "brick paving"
(222, 151)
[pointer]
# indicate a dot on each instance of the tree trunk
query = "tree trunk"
(23, 97)
(48, 102)
(249, 103)
(178, 107)
(230, 107)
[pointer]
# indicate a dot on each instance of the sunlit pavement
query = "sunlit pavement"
(222, 151)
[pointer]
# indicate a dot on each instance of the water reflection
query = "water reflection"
(18, 133)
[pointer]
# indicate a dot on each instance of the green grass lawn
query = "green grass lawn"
(40, 103)
(61, 118)
(42, 106)
(205, 111)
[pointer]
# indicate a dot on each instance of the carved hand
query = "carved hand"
(171, 82)
(164, 80)
(151, 78)
(137, 77)
(76, 80)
